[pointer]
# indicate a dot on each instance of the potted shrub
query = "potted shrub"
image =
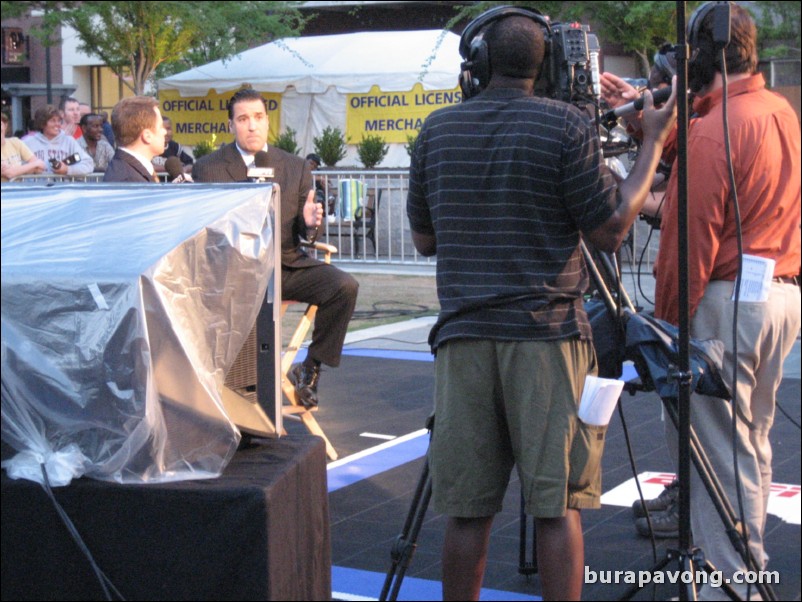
(330, 145)
(371, 151)
(205, 147)
(287, 142)
(410, 145)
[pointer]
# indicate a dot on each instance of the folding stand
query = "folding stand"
(725, 511)
(406, 542)
(296, 409)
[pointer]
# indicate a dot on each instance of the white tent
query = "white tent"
(314, 75)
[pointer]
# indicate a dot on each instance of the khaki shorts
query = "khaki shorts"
(499, 404)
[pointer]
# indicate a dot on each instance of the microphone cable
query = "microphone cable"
(105, 583)
(733, 196)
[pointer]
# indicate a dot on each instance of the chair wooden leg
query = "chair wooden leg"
(296, 408)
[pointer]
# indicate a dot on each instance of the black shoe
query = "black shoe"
(665, 525)
(305, 380)
(661, 503)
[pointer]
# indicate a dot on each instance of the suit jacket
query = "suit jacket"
(123, 167)
(292, 174)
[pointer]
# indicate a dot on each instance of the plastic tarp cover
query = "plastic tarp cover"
(123, 306)
(653, 345)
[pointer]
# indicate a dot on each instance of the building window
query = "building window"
(14, 46)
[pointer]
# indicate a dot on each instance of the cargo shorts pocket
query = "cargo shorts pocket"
(585, 457)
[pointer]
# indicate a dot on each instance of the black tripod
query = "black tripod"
(406, 542)
(678, 408)
(728, 516)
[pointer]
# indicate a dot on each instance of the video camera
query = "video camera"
(572, 65)
(71, 160)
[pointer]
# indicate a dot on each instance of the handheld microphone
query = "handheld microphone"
(595, 72)
(175, 170)
(261, 172)
(659, 96)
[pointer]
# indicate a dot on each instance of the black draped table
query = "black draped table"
(258, 532)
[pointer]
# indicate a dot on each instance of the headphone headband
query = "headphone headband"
(475, 69)
(495, 14)
(695, 23)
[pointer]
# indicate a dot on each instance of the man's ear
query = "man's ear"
(230, 127)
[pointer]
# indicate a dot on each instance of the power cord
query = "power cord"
(105, 583)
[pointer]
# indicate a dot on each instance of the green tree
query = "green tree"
(640, 27)
(136, 38)
(778, 27)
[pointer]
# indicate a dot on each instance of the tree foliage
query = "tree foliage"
(136, 38)
(640, 27)
(778, 28)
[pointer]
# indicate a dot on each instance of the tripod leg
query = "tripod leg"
(706, 566)
(526, 567)
(722, 505)
(406, 542)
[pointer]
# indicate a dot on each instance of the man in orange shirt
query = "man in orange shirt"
(765, 150)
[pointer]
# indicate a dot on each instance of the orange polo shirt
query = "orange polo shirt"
(765, 144)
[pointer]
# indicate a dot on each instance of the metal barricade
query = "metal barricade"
(370, 225)
(53, 178)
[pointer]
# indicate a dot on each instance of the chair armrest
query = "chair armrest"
(320, 246)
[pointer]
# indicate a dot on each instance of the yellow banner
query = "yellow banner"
(199, 118)
(393, 115)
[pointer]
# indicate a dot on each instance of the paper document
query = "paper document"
(757, 275)
(598, 400)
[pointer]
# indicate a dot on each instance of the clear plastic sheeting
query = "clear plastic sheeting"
(122, 309)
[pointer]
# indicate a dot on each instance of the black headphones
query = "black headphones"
(705, 58)
(475, 70)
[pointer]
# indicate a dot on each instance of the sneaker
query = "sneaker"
(661, 503)
(665, 525)
(305, 381)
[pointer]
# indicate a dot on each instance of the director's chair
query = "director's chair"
(296, 409)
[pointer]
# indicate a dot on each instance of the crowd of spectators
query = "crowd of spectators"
(73, 140)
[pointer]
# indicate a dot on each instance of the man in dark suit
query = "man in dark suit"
(302, 278)
(140, 135)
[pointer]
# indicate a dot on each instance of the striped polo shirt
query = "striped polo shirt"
(506, 182)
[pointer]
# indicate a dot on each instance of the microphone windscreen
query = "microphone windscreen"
(260, 159)
(658, 96)
(174, 167)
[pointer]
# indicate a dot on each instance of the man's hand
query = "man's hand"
(657, 123)
(615, 91)
(313, 212)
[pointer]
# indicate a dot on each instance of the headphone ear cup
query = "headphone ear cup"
(480, 60)
(702, 67)
(466, 83)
